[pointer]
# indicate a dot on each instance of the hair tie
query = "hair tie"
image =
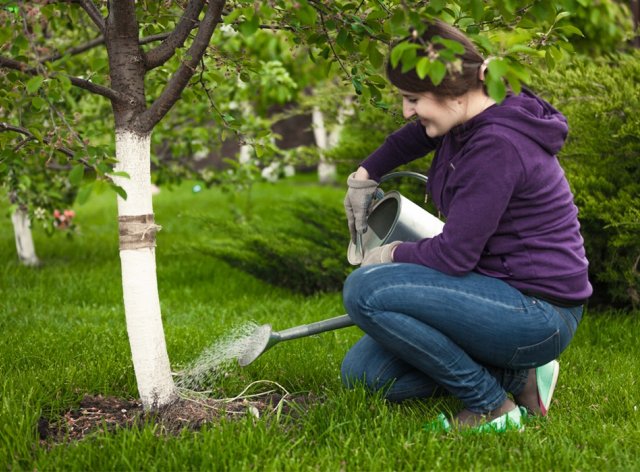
(485, 64)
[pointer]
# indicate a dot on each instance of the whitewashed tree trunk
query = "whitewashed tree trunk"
(326, 170)
(246, 150)
(327, 139)
(24, 239)
(139, 282)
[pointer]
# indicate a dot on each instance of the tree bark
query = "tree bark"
(24, 239)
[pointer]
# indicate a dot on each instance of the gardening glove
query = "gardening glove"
(380, 254)
(357, 202)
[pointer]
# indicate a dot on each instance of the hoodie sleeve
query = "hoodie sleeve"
(477, 191)
(404, 145)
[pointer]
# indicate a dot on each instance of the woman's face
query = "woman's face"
(437, 115)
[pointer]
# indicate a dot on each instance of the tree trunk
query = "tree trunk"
(326, 170)
(139, 283)
(24, 239)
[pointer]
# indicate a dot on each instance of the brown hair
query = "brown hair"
(455, 82)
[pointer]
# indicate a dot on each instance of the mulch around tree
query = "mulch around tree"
(97, 413)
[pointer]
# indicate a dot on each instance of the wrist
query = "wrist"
(361, 174)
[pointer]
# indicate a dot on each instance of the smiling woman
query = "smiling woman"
(483, 309)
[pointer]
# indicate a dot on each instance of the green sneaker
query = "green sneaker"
(546, 379)
(510, 421)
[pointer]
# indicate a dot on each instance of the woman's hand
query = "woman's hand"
(357, 201)
(381, 254)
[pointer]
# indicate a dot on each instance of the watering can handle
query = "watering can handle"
(358, 248)
(404, 173)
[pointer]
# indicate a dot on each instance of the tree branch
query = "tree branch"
(93, 13)
(75, 50)
(30, 137)
(8, 63)
(97, 42)
(171, 94)
(165, 50)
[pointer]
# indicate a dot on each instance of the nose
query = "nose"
(408, 109)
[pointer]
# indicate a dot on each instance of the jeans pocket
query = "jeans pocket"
(537, 354)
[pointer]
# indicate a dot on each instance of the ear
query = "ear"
(483, 69)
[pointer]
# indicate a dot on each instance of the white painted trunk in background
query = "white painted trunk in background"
(24, 239)
(324, 140)
(139, 282)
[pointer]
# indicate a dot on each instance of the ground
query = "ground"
(99, 413)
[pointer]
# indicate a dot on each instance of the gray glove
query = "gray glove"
(380, 254)
(357, 202)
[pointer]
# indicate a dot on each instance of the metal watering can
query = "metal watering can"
(391, 218)
(394, 218)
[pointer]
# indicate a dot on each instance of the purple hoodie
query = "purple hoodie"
(508, 207)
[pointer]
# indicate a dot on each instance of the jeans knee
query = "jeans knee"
(354, 293)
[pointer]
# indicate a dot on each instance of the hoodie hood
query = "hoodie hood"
(527, 114)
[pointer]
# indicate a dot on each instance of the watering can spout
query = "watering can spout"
(264, 338)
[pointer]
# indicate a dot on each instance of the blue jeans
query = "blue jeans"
(428, 333)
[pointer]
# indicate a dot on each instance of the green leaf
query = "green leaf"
(34, 83)
(514, 82)
(232, 16)
(307, 15)
(76, 175)
(38, 103)
(375, 56)
(556, 53)
(19, 44)
(5, 35)
(497, 68)
(454, 46)
(397, 19)
(409, 60)
(437, 5)
(437, 71)
(548, 57)
(399, 50)
(477, 9)
(119, 190)
(357, 85)
(422, 67)
(496, 88)
(561, 15)
(570, 29)
(250, 26)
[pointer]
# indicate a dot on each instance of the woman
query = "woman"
(483, 309)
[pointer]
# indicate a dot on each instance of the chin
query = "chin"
(432, 133)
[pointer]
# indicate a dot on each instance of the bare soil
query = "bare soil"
(109, 414)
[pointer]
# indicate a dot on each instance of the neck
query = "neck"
(477, 102)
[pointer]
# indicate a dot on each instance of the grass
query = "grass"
(63, 336)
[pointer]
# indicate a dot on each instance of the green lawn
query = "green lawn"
(63, 336)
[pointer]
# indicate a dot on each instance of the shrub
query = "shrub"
(303, 251)
(601, 99)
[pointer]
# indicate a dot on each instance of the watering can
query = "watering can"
(392, 218)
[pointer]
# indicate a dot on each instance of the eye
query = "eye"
(412, 100)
